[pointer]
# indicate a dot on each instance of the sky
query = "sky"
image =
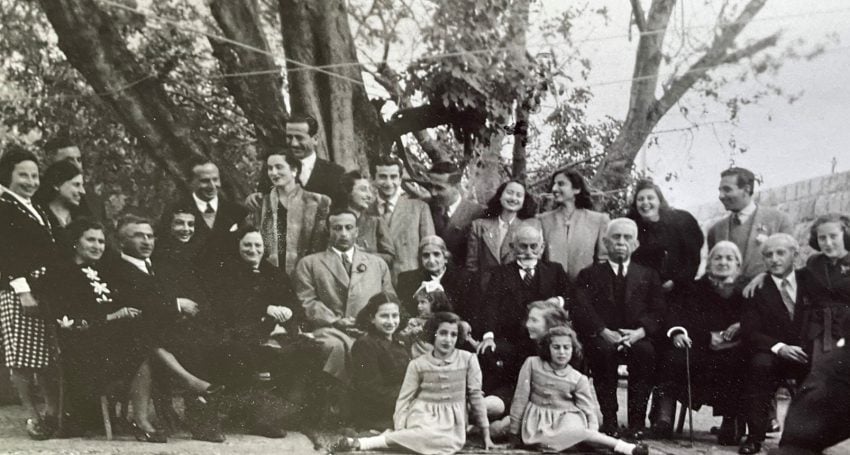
(785, 142)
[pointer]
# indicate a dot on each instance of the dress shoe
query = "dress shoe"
(728, 434)
(37, 431)
(640, 449)
(268, 431)
(610, 430)
(209, 435)
(345, 445)
(750, 447)
(661, 430)
(774, 426)
(636, 433)
(148, 436)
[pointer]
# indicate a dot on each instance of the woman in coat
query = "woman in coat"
(707, 323)
(61, 193)
(27, 251)
(293, 222)
(373, 233)
(490, 237)
(573, 232)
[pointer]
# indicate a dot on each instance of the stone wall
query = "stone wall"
(803, 201)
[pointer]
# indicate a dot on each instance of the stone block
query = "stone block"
(834, 202)
(801, 189)
(820, 205)
(806, 208)
(816, 185)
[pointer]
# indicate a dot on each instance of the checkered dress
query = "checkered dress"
(25, 339)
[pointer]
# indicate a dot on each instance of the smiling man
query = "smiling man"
(748, 224)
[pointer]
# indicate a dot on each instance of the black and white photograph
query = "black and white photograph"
(425, 227)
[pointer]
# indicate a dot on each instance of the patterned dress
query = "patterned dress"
(430, 414)
(27, 249)
(550, 409)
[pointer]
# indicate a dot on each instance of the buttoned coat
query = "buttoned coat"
(409, 223)
(766, 222)
(328, 294)
(579, 246)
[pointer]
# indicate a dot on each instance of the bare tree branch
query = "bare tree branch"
(637, 12)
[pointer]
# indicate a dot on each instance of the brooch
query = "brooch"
(361, 268)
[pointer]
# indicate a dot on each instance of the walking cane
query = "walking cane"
(690, 399)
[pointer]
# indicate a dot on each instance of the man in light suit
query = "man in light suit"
(748, 224)
(452, 214)
(334, 285)
(409, 219)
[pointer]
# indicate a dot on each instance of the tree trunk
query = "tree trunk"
(645, 110)
(519, 24)
(259, 96)
(97, 50)
(316, 33)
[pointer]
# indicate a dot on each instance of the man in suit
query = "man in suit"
(748, 224)
(505, 339)
(334, 285)
(409, 219)
(772, 327)
(618, 310)
(142, 289)
(451, 212)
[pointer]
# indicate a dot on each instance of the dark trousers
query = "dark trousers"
(603, 359)
(819, 414)
(764, 375)
(716, 377)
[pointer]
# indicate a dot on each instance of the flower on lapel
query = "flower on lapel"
(361, 268)
(845, 269)
(762, 232)
(760, 238)
(65, 323)
(91, 273)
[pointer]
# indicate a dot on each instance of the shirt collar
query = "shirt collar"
(393, 200)
(525, 264)
(349, 254)
(26, 203)
(452, 208)
(202, 204)
(505, 224)
(792, 281)
(308, 161)
(747, 212)
(141, 264)
(614, 266)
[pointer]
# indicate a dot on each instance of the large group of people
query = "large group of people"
(424, 316)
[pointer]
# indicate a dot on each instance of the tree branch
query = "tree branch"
(640, 18)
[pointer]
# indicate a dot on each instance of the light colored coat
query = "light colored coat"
(328, 294)
(484, 251)
(766, 222)
(580, 246)
(410, 222)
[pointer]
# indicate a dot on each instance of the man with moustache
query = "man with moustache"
(618, 308)
(748, 224)
(773, 326)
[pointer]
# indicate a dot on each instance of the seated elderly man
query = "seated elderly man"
(618, 309)
(334, 285)
(505, 346)
(773, 328)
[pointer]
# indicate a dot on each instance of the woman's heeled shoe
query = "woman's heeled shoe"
(36, 430)
(148, 436)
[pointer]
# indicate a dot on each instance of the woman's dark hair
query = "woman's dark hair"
(583, 200)
(841, 220)
(646, 184)
(13, 155)
(294, 163)
(346, 185)
(365, 316)
(560, 331)
(440, 317)
(438, 298)
(75, 229)
(494, 205)
(55, 176)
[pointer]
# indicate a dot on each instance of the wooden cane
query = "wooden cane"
(690, 399)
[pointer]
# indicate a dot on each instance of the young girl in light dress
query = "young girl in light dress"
(430, 298)
(431, 410)
(553, 407)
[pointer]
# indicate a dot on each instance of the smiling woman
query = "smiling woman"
(61, 192)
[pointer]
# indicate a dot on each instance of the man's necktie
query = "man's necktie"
(388, 213)
(209, 215)
(786, 297)
(736, 219)
(149, 266)
(442, 221)
(529, 276)
(346, 263)
(620, 294)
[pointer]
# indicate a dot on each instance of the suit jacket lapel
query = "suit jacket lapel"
(752, 246)
(358, 259)
(632, 280)
(505, 248)
(334, 265)
(315, 175)
(491, 236)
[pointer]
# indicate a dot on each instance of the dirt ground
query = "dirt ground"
(13, 440)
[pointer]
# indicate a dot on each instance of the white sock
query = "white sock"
(374, 442)
(624, 447)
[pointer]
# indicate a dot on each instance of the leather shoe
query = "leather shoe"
(661, 430)
(728, 434)
(636, 434)
(640, 449)
(750, 447)
(610, 430)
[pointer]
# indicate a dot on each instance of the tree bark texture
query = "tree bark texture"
(317, 33)
(259, 96)
(93, 46)
(645, 110)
